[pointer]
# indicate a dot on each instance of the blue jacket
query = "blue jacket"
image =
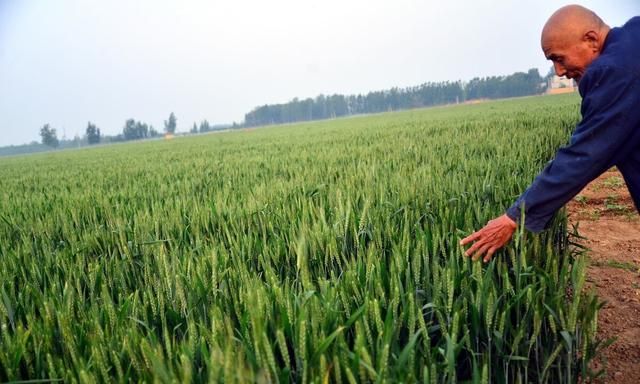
(607, 135)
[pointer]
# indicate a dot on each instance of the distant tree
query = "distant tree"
(77, 140)
(49, 136)
(135, 130)
(170, 125)
(142, 130)
(93, 134)
(194, 129)
(153, 132)
(129, 130)
(204, 126)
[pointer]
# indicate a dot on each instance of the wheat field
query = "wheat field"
(309, 253)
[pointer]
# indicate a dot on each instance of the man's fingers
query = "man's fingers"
(471, 237)
(481, 251)
(475, 247)
(490, 253)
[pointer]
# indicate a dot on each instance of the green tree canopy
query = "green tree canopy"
(170, 125)
(93, 133)
(49, 136)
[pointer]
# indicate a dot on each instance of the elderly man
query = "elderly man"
(606, 64)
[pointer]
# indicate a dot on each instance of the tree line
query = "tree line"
(132, 130)
(424, 95)
(331, 106)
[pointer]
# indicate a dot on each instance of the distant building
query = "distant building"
(559, 84)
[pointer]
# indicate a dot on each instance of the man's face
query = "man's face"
(570, 56)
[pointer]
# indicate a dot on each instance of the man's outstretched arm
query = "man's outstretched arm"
(606, 135)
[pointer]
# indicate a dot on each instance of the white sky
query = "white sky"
(67, 62)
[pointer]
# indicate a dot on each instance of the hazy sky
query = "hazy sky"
(67, 62)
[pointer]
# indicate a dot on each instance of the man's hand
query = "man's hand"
(489, 239)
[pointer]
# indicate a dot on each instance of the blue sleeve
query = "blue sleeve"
(611, 98)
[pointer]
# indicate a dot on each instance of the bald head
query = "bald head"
(572, 20)
(572, 38)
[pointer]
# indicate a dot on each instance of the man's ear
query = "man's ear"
(592, 38)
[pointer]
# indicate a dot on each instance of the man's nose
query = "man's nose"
(560, 71)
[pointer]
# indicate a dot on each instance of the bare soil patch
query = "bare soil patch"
(606, 216)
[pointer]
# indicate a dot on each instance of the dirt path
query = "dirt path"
(605, 215)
